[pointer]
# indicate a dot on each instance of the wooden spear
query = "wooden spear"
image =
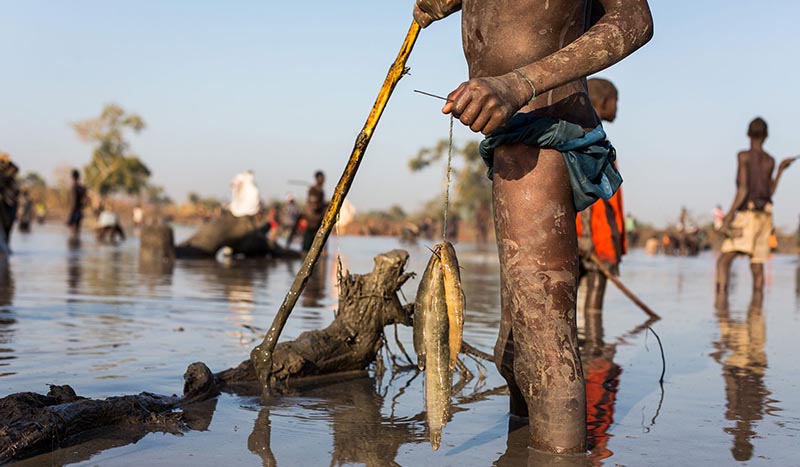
(602, 267)
(261, 355)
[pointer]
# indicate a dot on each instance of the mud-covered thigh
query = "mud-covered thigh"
(534, 212)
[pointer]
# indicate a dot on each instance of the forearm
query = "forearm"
(775, 181)
(738, 202)
(624, 28)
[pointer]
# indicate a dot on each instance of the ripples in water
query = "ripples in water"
(89, 317)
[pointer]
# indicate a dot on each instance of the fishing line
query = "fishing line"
(449, 159)
(447, 189)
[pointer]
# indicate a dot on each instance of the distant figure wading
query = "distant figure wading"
(314, 209)
(748, 224)
(77, 202)
(245, 199)
(9, 192)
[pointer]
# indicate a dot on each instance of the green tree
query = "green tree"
(32, 180)
(394, 213)
(472, 190)
(113, 168)
(155, 194)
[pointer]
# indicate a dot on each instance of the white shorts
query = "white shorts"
(751, 231)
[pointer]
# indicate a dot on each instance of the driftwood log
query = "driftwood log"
(367, 303)
(32, 423)
(243, 235)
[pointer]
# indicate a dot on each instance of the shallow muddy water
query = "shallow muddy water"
(89, 318)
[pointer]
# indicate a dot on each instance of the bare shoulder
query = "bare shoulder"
(743, 156)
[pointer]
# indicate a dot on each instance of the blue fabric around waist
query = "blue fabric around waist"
(588, 155)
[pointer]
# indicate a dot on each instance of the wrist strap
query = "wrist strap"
(530, 83)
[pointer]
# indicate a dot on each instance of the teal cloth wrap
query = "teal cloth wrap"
(588, 155)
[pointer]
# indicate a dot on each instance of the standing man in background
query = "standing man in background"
(748, 224)
(314, 209)
(9, 193)
(601, 227)
(77, 202)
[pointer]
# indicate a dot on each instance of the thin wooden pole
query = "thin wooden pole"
(261, 355)
(602, 267)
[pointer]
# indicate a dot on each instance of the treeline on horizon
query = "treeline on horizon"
(117, 176)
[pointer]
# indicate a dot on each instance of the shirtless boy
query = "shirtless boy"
(748, 224)
(601, 227)
(532, 56)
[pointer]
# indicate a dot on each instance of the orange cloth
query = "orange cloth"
(608, 229)
(602, 383)
(773, 241)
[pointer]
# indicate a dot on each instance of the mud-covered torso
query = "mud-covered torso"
(499, 36)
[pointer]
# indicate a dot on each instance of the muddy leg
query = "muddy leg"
(504, 357)
(723, 278)
(758, 285)
(596, 283)
(593, 310)
(537, 243)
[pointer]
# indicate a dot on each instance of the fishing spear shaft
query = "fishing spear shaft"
(603, 269)
(261, 355)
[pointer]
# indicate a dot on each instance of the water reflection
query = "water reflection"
(602, 383)
(74, 273)
(314, 293)
(602, 376)
(797, 283)
(107, 275)
(155, 275)
(260, 440)
(6, 285)
(238, 282)
(479, 280)
(361, 433)
(74, 243)
(518, 454)
(206, 297)
(7, 317)
(198, 415)
(740, 351)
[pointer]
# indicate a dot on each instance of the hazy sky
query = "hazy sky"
(284, 87)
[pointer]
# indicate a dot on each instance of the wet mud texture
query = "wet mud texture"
(537, 347)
